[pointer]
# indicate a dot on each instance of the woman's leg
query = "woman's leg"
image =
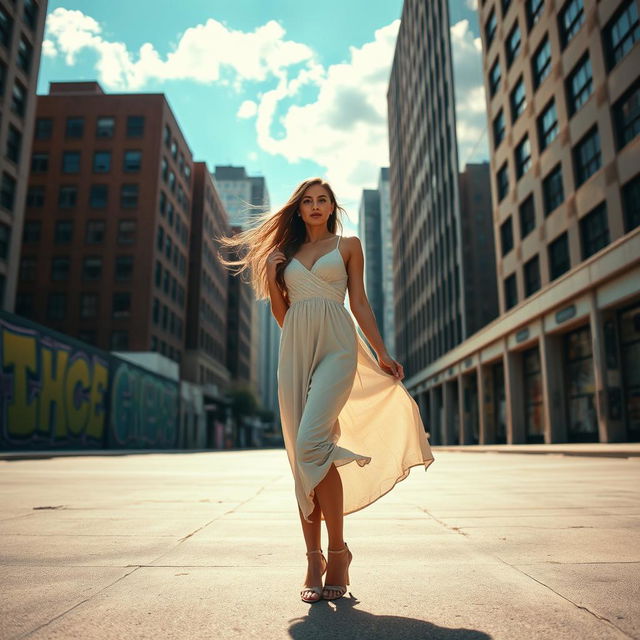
(311, 533)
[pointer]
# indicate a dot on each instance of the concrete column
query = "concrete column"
(461, 427)
(434, 418)
(514, 392)
(553, 387)
(448, 400)
(482, 418)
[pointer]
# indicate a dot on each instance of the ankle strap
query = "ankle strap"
(339, 550)
(314, 551)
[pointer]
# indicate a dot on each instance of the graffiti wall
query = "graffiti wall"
(59, 393)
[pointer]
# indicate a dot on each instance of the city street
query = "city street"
(208, 545)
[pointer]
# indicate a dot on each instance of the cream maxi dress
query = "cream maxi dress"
(337, 405)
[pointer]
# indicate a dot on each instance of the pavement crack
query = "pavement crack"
(443, 523)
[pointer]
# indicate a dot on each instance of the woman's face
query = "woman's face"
(316, 205)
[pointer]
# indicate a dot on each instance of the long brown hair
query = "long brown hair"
(284, 230)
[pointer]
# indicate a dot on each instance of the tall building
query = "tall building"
(21, 34)
(561, 363)
(425, 209)
(386, 252)
(369, 233)
(108, 215)
(240, 192)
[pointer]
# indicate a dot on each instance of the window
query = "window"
(121, 304)
(163, 203)
(94, 233)
(626, 115)
(531, 276)
(105, 127)
(70, 161)
(18, 98)
(527, 214)
(25, 55)
(98, 196)
(132, 161)
(518, 100)
(505, 7)
(586, 156)
(510, 292)
(67, 196)
(28, 269)
(498, 129)
(126, 231)
(579, 84)
(167, 136)
(56, 306)
(43, 128)
(135, 126)
(30, 13)
(164, 169)
(3, 77)
(523, 157)
(31, 231)
(59, 268)
(174, 149)
(89, 305)
(553, 190)
(63, 232)
(7, 191)
(594, 231)
(559, 260)
(74, 127)
(490, 27)
(124, 268)
(35, 196)
(534, 11)
(621, 32)
(506, 236)
(92, 268)
(119, 340)
(129, 196)
(502, 180)
(39, 162)
(101, 161)
(631, 204)
(6, 28)
(547, 125)
(14, 144)
(494, 77)
(5, 240)
(570, 19)
(172, 182)
(541, 63)
(513, 44)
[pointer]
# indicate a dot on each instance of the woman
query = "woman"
(330, 388)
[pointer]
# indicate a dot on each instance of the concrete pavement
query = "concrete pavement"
(502, 545)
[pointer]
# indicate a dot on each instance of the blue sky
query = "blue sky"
(287, 89)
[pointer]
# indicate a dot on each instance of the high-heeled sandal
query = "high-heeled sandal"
(316, 590)
(342, 589)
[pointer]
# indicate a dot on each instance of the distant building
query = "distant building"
(369, 233)
(21, 34)
(386, 262)
(241, 193)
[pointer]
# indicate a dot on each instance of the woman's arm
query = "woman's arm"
(279, 305)
(358, 300)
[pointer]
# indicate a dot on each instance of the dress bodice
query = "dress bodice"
(327, 278)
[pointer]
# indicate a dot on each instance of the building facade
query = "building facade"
(108, 215)
(562, 362)
(386, 252)
(21, 34)
(369, 232)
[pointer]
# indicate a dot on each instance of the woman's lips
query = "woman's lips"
(316, 215)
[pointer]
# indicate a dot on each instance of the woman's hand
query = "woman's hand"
(389, 365)
(273, 260)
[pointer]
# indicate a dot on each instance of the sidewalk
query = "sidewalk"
(209, 545)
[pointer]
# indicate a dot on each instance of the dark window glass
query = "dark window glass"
(35, 196)
(28, 269)
(559, 260)
(67, 196)
(505, 7)
(31, 231)
(105, 127)
(174, 149)
(506, 236)
(70, 161)
(626, 115)
(631, 204)
(527, 217)
(621, 32)
(132, 161)
(518, 100)
(89, 305)
(25, 55)
(7, 191)
(60, 268)
(163, 203)
(3, 77)
(494, 77)
(553, 190)
(502, 180)
(579, 84)
(124, 267)
(74, 127)
(43, 128)
(135, 126)
(129, 196)
(172, 182)
(126, 231)
(56, 306)
(167, 136)
(121, 304)
(92, 268)
(534, 11)
(523, 157)
(498, 129)
(102, 161)
(39, 162)
(18, 98)
(30, 13)
(6, 27)
(586, 156)
(94, 233)
(5, 238)
(541, 62)
(14, 144)
(513, 44)
(98, 196)
(510, 292)
(570, 19)
(594, 231)
(63, 233)
(164, 169)
(119, 340)
(531, 276)
(547, 125)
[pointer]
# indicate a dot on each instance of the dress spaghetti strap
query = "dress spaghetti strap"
(338, 242)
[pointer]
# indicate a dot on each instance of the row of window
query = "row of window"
(24, 55)
(169, 284)
(594, 236)
(165, 318)
(131, 161)
(98, 196)
(105, 127)
(95, 232)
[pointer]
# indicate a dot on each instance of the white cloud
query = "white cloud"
(471, 107)
(247, 109)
